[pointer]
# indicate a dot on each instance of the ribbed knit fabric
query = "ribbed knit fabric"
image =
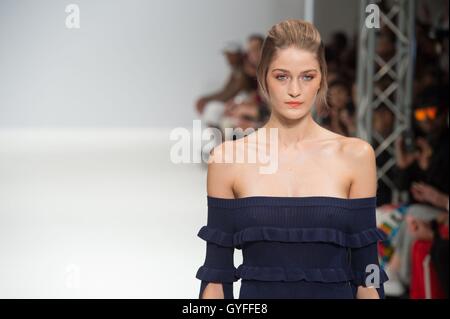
(292, 247)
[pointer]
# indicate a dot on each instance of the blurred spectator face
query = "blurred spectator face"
(418, 228)
(254, 51)
(332, 76)
(293, 75)
(338, 96)
(385, 46)
(426, 118)
(383, 121)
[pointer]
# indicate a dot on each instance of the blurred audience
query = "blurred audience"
(341, 118)
(422, 163)
(237, 82)
(238, 104)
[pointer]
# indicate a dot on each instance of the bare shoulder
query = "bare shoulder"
(221, 170)
(357, 150)
(361, 157)
(350, 150)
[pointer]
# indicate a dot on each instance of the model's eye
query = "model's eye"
(308, 77)
(281, 77)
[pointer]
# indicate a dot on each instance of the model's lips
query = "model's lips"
(294, 103)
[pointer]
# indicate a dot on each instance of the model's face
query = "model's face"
(293, 75)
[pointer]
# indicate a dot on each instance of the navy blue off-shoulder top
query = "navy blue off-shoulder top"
(292, 247)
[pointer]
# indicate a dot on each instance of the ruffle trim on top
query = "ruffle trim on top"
(277, 234)
(293, 274)
(216, 236)
(286, 274)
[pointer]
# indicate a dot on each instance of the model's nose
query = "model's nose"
(294, 90)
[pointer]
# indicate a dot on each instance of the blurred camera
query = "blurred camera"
(409, 144)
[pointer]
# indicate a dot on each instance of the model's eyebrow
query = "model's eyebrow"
(286, 71)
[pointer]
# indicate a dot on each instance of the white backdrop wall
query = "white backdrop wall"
(133, 63)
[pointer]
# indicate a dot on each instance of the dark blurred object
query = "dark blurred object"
(430, 112)
(237, 80)
(339, 42)
(409, 144)
(439, 254)
(435, 95)
(441, 34)
(429, 163)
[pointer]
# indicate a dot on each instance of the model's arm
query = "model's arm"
(364, 184)
(220, 179)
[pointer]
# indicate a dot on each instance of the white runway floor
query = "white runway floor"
(98, 214)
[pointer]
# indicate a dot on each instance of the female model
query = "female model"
(308, 230)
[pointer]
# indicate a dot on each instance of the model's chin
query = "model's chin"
(294, 113)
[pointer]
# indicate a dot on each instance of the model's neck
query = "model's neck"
(292, 134)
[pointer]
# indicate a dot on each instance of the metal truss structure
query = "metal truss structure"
(396, 94)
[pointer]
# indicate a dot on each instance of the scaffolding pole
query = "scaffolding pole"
(399, 17)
